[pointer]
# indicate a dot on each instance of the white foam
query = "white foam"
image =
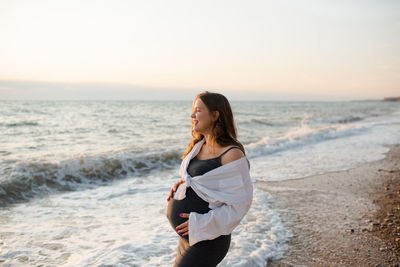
(125, 224)
(260, 236)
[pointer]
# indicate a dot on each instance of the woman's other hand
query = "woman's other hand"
(173, 189)
(183, 229)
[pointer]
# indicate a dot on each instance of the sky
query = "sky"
(247, 50)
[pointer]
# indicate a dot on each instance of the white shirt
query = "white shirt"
(228, 189)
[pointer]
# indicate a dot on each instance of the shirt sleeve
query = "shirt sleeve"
(219, 221)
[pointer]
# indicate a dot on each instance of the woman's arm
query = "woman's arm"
(219, 221)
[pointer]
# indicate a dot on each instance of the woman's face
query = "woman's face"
(201, 118)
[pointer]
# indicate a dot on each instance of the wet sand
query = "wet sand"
(343, 218)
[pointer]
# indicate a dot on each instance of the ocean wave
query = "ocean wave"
(262, 122)
(343, 120)
(348, 119)
(24, 180)
(20, 123)
(303, 135)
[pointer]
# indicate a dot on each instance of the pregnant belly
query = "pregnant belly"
(192, 202)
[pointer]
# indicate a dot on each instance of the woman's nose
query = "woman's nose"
(192, 115)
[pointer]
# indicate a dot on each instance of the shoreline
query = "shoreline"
(346, 218)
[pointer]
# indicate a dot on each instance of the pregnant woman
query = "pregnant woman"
(216, 190)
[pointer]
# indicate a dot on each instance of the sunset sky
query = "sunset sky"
(250, 50)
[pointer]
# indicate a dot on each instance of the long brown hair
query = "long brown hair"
(224, 131)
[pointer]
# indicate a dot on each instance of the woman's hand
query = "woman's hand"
(183, 229)
(173, 189)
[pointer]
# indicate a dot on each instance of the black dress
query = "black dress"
(207, 252)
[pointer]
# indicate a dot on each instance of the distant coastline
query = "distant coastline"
(392, 99)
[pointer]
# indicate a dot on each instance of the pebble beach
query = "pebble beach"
(342, 218)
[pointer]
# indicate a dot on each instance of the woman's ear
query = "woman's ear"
(216, 115)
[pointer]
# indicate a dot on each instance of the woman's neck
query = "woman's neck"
(208, 142)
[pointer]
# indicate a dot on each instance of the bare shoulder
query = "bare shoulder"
(232, 155)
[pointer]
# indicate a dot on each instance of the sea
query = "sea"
(85, 183)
